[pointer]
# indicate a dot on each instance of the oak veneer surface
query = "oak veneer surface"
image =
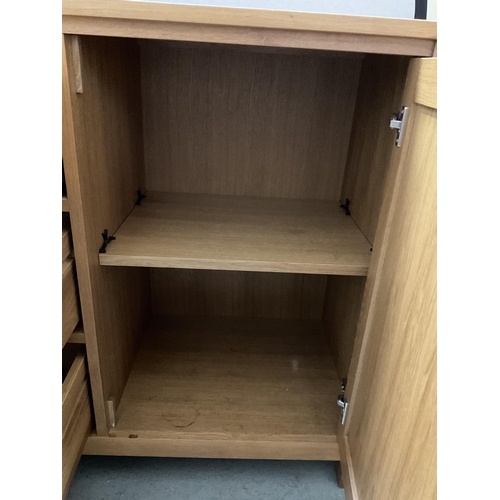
(223, 121)
(66, 242)
(409, 338)
(249, 26)
(70, 303)
(234, 382)
(426, 91)
(237, 294)
(258, 18)
(74, 438)
(343, 298)
(65, 204)
(389, 438)
(239, 233)
(379, 97)
(103, 166)
(74, 381)
(78, 336)
(76, 414)
(258, 37)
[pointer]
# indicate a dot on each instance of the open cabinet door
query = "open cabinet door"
(388, 440)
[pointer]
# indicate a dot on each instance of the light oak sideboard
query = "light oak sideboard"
(252, 199)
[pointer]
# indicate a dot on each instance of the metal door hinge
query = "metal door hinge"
(341, 401)
(111, 411)
(398, 122)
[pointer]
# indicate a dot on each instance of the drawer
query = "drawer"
(66, 246)
(76, 411)
(70, 308)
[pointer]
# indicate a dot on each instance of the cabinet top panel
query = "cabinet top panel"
(261, 27)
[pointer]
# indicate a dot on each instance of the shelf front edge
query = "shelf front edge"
(233, 265)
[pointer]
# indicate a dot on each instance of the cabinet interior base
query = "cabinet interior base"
(228, 388)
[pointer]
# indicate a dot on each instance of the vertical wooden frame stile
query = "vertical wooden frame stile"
(102, 142)
(419, 90)
(80, 245)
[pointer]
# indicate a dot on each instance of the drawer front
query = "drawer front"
(70, 309)
(76, 418)
(66, 243)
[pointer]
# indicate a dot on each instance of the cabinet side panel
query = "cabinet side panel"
(222, 121)
(103, 160)
(379, 96)
(237, 294)
(344, 295)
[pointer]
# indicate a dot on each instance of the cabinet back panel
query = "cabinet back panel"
(379, 96)
(220, 121)
(344, 295)
(237, 294)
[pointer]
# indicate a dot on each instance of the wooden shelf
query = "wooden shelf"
(195, 231)
(230, 387)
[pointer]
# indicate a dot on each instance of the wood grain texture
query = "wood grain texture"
(254, 18)
(237, 294)
(66, 241)
(338, 474)
(379, 96)
(389, 440)
(103, 163)
(70, 303)
(69, 353)
(73, 441)
(74, 382)
(221, 121)
(257, 49)
(239, 233)
(78, 336)
(426, 92)
(207, 33)
(348, 480)
(212, 448)
(344, 295)
(76, 418)
(65, 204)
(77, 64)
(233, 381)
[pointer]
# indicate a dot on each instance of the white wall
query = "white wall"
(385, 8)
(432, 10)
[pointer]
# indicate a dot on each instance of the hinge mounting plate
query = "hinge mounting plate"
(398, 122)
(111, 411)
(341, 401)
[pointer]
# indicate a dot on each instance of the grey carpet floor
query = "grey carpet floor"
(124, 478)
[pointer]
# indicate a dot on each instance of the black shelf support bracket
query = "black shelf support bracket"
(106, 240)
(140, 196)
(346, 206)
